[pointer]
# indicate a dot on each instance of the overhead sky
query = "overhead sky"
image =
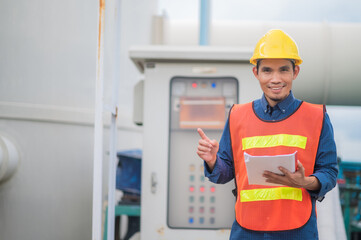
(260, 10)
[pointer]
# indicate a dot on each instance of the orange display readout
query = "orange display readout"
(202, 112)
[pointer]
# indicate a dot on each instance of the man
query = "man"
(276, 124)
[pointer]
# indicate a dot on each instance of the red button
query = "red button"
(212, 210)
(201, 209)
(190, 209)
(213, 189)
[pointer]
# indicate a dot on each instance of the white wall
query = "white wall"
(47, 79)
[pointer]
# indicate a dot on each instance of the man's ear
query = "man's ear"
(255, 72)
(296, 72)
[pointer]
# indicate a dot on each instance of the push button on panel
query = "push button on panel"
(191, 210)
(192, 168)
(201, 210)
(191, 178)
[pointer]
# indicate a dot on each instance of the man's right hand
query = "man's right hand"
(207, 149)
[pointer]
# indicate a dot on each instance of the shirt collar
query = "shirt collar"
(281, 105)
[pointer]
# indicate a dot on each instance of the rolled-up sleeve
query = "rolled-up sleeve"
(223, 170)
(326, 169)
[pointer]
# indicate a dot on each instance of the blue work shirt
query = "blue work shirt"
(325, 169)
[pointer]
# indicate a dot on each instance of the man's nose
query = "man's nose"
(276, 78)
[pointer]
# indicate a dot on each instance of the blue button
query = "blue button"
(214, 85)
(191, 220)
(201, 220)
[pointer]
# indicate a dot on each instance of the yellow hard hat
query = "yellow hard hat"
(276, 44)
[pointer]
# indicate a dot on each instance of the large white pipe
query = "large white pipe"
(329, 73)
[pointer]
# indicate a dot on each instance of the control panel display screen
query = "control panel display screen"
(203, 112)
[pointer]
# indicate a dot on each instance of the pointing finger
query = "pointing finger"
(202, 134)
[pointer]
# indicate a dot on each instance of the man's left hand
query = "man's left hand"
(296, 179)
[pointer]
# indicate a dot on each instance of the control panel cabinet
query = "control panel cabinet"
(194, 201)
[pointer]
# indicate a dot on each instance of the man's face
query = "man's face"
(275, 77)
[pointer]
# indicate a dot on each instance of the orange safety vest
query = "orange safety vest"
(274, 208)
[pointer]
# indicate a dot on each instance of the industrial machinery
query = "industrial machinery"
(349, 180)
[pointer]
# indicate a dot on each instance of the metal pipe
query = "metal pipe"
(98, 130)
(113, 125)
(111, 178)
(204, 22)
